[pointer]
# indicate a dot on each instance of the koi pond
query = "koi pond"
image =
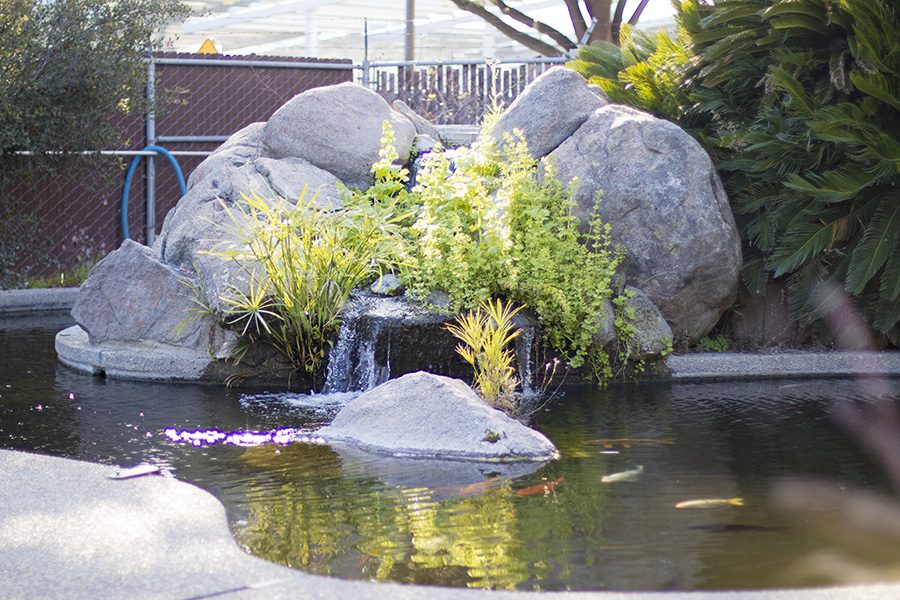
(603, 516)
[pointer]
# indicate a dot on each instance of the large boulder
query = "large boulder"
(241, 147)
(429, 416)
(549, 110)
(296, 180)
(336, 128)
(132, 296)
(666, 205)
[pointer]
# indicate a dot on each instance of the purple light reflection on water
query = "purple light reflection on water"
(211, 437)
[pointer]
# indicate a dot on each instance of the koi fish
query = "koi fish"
(623, 476)
(477, 488)
(710, 503)
(628, 442)
(541, 488)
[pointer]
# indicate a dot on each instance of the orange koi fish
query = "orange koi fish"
(710, 503)
(540, 489)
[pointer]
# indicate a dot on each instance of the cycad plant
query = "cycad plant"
(485, 335)
(798, 101)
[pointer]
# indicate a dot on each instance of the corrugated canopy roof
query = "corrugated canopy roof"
(335, 28)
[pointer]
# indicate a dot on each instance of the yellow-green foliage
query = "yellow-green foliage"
(486, 334)
(487, 226)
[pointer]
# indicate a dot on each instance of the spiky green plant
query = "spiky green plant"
(486, 334)
(300, 264)
(798, 101)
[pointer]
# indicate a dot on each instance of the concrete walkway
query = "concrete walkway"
(68, 531)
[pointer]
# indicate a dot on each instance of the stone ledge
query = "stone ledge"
(144, 361)
(733, 365)
(16, 302)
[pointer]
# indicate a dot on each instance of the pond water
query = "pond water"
(559, 527)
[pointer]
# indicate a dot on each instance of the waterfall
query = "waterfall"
(382, 337)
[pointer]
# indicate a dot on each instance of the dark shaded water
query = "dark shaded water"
(559, 527)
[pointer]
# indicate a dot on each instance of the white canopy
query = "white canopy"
(336, 28)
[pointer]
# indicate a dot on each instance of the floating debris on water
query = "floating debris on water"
(211, 437)
(628, 442)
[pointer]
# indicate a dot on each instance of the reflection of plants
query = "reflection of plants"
(315, 517)
(301, 265)
(485, 335)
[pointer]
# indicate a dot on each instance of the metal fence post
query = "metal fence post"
(365, 61)
(150, 140)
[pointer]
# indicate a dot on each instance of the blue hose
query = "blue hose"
(130, 174)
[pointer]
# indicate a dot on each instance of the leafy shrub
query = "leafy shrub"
(490, 227)
(66, 66)
(799, 104)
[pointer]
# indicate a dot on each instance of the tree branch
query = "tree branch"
(637, 12)
(538, 26)
(509, 31)
(577, 19)
(599, 9)
(616, 24)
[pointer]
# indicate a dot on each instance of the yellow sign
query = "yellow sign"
(208, 47)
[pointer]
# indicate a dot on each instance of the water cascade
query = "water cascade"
(382, 338)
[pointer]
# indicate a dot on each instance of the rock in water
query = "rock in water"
(430, 416)
(666, 205)
(132, 296)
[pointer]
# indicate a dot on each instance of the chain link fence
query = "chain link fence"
(56, 218)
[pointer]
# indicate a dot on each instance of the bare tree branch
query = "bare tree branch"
(637, 12)
(538, 26)
(576, 17)
(509, 31)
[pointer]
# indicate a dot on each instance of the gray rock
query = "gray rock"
(666, 205)
(237, 150)
(423, 127)
(438, 299)
(131, 296)
(549, 110)
(429, 416)
(607, 319)
(387, 285)
(289, 177)
(424, 143)
(444, 478)
(652, 335)
(338, 129)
